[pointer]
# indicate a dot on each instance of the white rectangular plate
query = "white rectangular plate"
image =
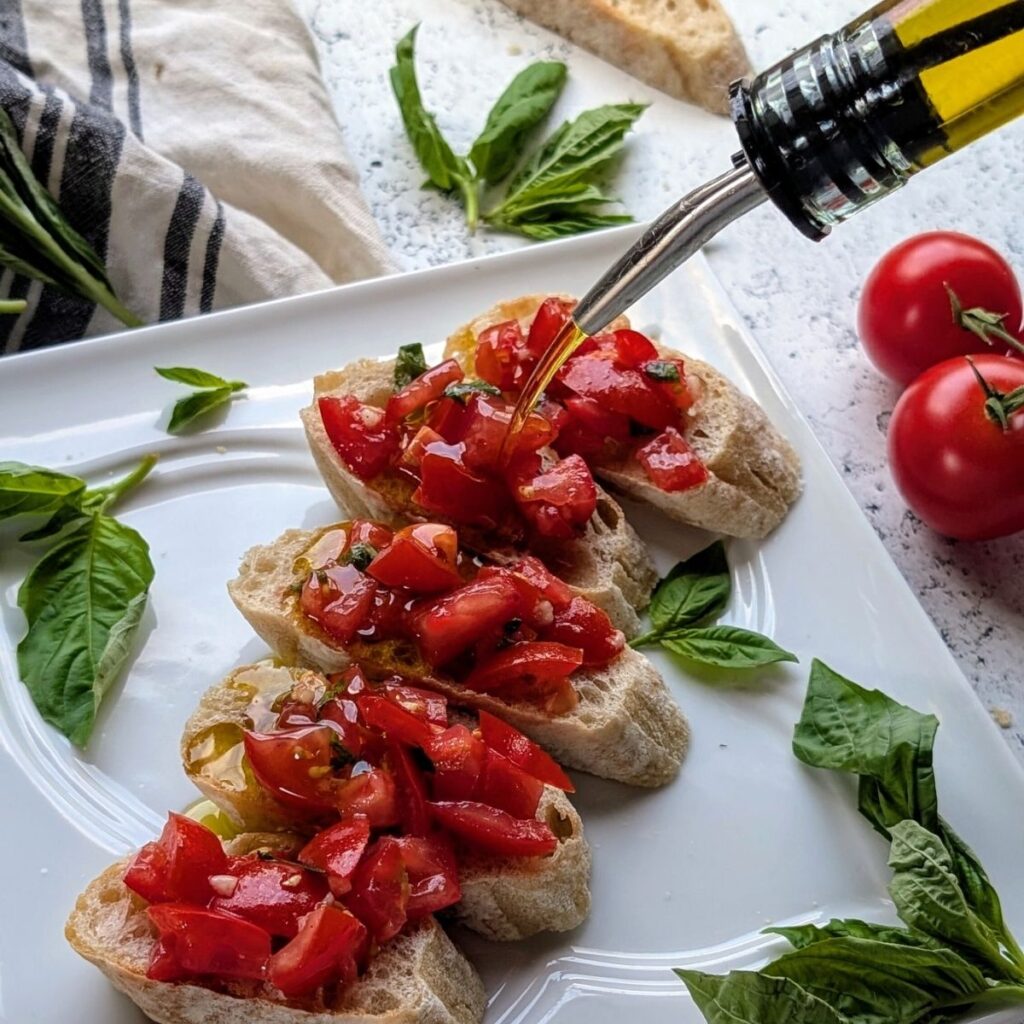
(684, 876)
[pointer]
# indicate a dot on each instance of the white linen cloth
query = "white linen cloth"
(193, 144)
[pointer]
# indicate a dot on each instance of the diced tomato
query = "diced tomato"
(554, 412)
(501, 356)
(679, 392)
(448, 625)
(364, 440)
(394, 721)
(427, 387)
(494, 830)
(485, 424)
(433, 874)
(458, 758)
(670, 463)
(355, 738)
(176, 867)
(206, 942)
(525, 667)
(270, 894)
(431, 707)
(371, 793)
(558, 501)
(599, 420)
(584, 625)
(297, 767)
(339, 599)
(366, 531)
(550, 318)
(557, 592)
(450, 489)
(296, 713)
(507, 740)
(621, 390)
(337, 850)
(327, 951)
(422, 557)
(380, 889)
(414, 814)
(163, 964)
(633, 348)
(535, 610)
(505, 785)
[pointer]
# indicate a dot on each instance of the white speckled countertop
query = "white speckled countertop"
(801, 308)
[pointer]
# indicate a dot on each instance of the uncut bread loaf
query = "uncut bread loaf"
(503, 898)
(626, 725)
(609, 564)
(686, 48)
(754, 471)
(420, 977)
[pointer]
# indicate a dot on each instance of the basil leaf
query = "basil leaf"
(463, 390)
(195, 378)
(518, 110)
(803, 935)
(928, 897)
(574, 198)
(848, 728)
(564, 226)
(83, 601)
(32, 490)
(661, 369)
(59, 521)
(744, 997)
(725, 646)
(694, 590)
(37, 239)
(200, 403)
(360, 555)
(409, 364)
(444, 169)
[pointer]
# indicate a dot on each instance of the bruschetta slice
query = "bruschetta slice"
(511, 640)
(182, 963)
(660, 427)
(503, 896)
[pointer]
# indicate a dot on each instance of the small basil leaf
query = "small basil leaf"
(83, 601)
(661, 369)
(848, 728)
(928, 897)
(26, 490)
(803, 935)
(725, 646)
(744, 997)
(694, 590)
(360, 555)
(463, 390)
(200, 403)
(519, 109)
(409, 364)
(192, 377)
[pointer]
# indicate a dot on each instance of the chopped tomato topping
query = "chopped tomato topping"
(496, 831)
(507, 740)
(271, 894)
(458, 758)
(431, 707)
(394, 721)
(176, 868)
(450, 489)
(327, 950)
(502, 358)
(531, 664)
(339, 598)
(670, 462)
(552, 315)
(296, 767)
(422, 557)
(371, 793)
(558, 501)
(538, 574)
(505, 785)
(206, 942)
(337, 850)
(625, 391)
(432, 872)
(380, 889)
(632, 348)
(584, 625)
(365, 531)
(414, 815)
(361, 435)
(427, 387)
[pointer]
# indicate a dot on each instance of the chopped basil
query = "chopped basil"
(661, 369)
(463, 390)
(409, 364)
(360, 555)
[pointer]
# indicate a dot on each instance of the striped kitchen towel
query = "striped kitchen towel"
(192, 143)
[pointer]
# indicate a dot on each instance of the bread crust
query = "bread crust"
(626, 726)
(420, 977)
(754, 471)
(505, 898)
(687, 48)
(608, 564)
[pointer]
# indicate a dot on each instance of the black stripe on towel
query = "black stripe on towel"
(124, 9)
(213, 244)
(177, 245)
(46, 134)
(13, 42)
(102, 92)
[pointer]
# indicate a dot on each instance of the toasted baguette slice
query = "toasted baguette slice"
(626, 726)
(609, 564)
(687, 48)
(754, 471)
(420, 977)
(502, 898)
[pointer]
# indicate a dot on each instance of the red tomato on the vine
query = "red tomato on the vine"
(906, 320)
(956, 465)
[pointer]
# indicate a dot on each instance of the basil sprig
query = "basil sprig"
(84, 599)
(212, 393)
(955, 952)
(37, 241)
(409, 364)
(694, 592)
(558, 191)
